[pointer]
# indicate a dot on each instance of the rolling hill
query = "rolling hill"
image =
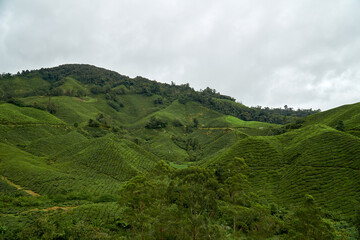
(316, 160)
(76, 137)
(348, 114)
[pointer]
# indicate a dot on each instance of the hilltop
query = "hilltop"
(85, 144)
(345, 118)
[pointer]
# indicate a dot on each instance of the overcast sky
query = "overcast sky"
(303, 53)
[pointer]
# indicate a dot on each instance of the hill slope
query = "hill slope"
(348, 114)
(316, 160)
(81, 138)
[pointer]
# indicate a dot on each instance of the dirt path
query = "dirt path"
(32, 124)
(216, 128)
(19, 187)
(55, 208)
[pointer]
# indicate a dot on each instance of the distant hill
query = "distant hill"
(79, 80)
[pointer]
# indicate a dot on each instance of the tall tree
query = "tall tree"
(138, 198)
(308, 223)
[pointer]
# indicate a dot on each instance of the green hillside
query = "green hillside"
(87, 153)
(22, 86)
(120, 159)
(316, 160)
(348, 114)
(10, 114)
(72, 87)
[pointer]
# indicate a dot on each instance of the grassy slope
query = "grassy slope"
(72, 85)
(107, 163)
(187, 112)
(22, 85)
(32, 140)
(317, 160)
(119, 159)
(137, 111)
(75, 109)
(31, 131)
(324, 163)
(214, 133)
(53, 144)
(349, 114)
(59, 158)
(11, 114)
(248, 124)
(25, 169)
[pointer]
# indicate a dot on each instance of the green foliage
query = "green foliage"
(343, 118)
(69, 87)
(307, 222)
(296, 125)
(340, 126)
(196, 122)
(185, 204)
(93, 123)
(19, 86)
(106, 198)
(78, 80)
(310, 160)
(357, 219)
(155, 123)
(11, 114)
(159, 100)
(141, 192)
(96, 146)
(249, 124)
(177, 123)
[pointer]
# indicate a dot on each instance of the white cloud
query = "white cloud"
(299, 53)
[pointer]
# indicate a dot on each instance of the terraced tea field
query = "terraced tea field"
(315, 160)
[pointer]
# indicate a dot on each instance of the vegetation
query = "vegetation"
(79, 80)
(86, 153)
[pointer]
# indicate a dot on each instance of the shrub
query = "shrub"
(155, 123)
(93, 123)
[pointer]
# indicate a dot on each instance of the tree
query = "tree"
(177, 123)
(159, 100)
(196, 122)
(138, 198)
(236, 184)
(340, 126)
(307, 222)
(51, 108)
(357, 219)
(93, 123)
(3, 230)
(232, 215)
(197, 188)
(155, 123)
(229, 168)
(160, 174)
